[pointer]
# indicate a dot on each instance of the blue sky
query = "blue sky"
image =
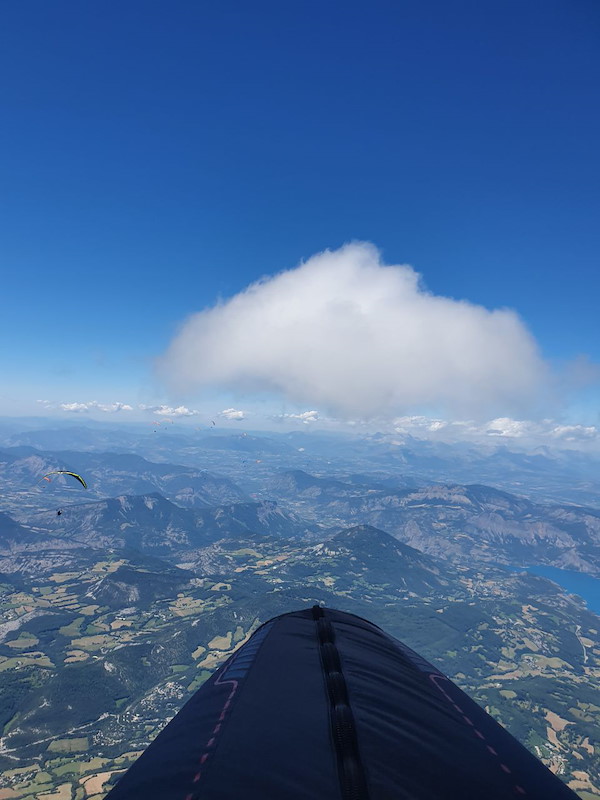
(158, 155)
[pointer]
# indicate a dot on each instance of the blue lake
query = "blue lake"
(586, 586)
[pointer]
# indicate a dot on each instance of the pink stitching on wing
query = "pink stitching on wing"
(477, 732)
(211, 741)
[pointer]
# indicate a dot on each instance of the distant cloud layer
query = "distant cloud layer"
(512, 431)
(348, 334)
(92, 405)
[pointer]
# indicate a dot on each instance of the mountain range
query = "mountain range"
(113, 612)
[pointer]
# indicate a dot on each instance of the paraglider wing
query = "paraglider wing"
(64, 472)
(322, 704)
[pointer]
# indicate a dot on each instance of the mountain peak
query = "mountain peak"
(370, 541)
(367, 534)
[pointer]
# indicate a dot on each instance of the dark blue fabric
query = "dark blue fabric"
(420, 736)
(260, 728)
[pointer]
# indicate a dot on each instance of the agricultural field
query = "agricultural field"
(95, 661)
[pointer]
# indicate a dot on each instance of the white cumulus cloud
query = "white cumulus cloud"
(305, 417)
(110, 407)
(347, 333)
(232, 414)
(422, 424)
(504, 426)
(74, 407)
(573, 433)
(169, 411)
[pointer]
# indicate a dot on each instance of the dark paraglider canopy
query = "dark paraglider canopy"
(323, 704)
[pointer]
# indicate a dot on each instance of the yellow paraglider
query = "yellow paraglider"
(63, 472)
